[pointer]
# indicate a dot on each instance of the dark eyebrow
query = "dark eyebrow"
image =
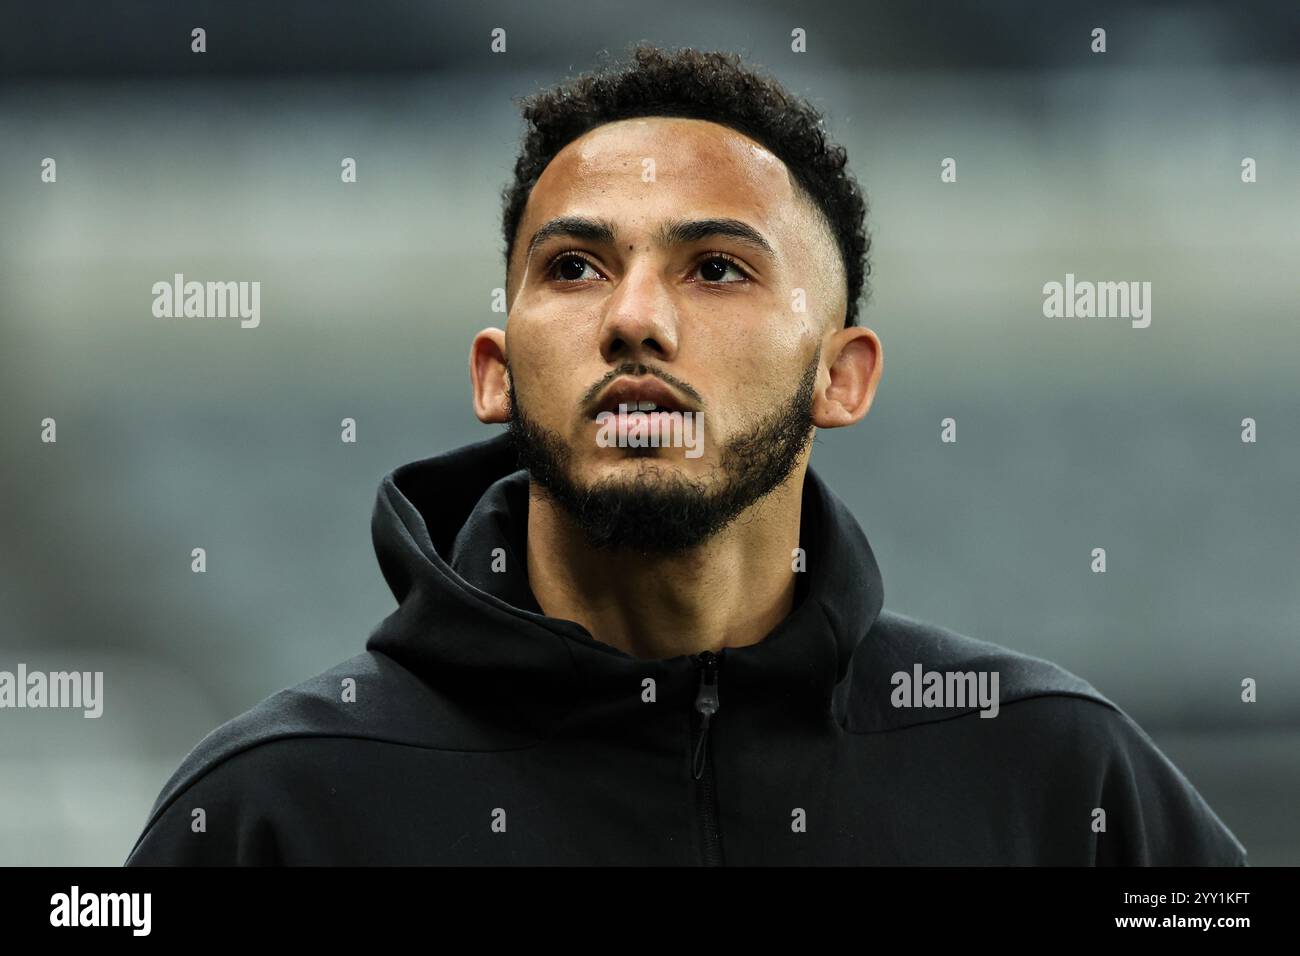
(575, 227)
(693, 230)
(675, 232)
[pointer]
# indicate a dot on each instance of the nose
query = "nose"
(640, 319)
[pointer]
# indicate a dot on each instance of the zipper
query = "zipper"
(707, 705)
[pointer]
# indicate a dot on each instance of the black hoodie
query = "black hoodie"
(476, 730)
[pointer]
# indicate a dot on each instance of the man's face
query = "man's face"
(730, 321)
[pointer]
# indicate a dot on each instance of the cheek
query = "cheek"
(543, 343)
(564, 335)
(746, 384)
(547, 364)
(757, 356)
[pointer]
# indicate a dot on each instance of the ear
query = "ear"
(488, 375)
(853, 359)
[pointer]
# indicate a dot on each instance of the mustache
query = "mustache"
(638, 368)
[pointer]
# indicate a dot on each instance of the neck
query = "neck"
(731, 591)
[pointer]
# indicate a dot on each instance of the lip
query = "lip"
(628, 391)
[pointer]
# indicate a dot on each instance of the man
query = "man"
(637, 628)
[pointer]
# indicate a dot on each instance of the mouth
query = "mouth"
(639, 396)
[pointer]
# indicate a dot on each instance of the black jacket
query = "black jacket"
(476, 730)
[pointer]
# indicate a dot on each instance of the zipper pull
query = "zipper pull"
(707, 703)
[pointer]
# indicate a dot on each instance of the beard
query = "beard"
(660, 512)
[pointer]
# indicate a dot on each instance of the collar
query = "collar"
(437, 524)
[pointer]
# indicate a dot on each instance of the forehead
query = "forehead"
(700, 168)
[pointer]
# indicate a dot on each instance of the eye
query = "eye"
(570, 267)
(716, 267)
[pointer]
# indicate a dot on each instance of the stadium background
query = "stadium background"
(1076, 434)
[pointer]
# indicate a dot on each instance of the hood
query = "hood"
(479, 634)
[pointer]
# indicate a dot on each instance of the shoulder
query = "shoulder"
(1051, 725)
(255, 757)
(907, 672)
(364, 696)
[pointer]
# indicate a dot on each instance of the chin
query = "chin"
(626, 461)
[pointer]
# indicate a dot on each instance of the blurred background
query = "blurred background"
(1072, 434)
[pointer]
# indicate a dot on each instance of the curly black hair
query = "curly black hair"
(712, 86)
